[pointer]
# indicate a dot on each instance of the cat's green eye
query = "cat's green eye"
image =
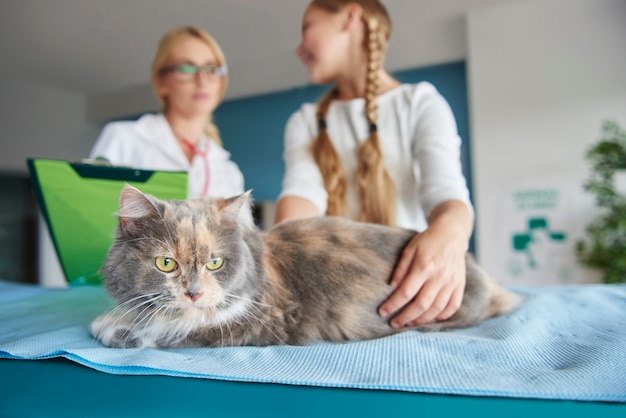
(215, 264)
(165, 264)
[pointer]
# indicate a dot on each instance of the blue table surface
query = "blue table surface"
(61, 388)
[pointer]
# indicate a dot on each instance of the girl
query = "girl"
(379, 151)
(189, 77)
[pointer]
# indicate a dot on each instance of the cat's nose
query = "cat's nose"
(194, 296)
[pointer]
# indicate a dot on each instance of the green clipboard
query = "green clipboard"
(79, 202)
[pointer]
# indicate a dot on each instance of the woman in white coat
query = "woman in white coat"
(189, 77)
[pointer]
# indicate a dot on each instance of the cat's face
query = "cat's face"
(178, 256)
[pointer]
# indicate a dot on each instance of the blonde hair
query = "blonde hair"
(375, 186)
(163, 54)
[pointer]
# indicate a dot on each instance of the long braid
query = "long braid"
(375, 186)
(328, 161)
(376, 189)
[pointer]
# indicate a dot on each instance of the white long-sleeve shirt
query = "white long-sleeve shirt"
(148, 143)
(420, 145)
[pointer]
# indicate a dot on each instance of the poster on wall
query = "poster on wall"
(541, 223)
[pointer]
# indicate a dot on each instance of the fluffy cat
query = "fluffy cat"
(199, 273)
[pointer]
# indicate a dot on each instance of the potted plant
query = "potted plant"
(605, 247)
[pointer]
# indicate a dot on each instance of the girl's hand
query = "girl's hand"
(429, 280)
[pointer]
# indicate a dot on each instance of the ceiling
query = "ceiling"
(96, 47)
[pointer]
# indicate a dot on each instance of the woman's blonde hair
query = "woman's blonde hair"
(163, 54)
(375, 186)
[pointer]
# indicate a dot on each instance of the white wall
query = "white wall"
(101, 108)
(47, 122)
(543, 76)
(41, 121)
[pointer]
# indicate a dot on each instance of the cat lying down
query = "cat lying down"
(197, 273)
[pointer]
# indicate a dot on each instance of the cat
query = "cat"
(188, 273)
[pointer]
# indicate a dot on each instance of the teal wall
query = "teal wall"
(252, 127)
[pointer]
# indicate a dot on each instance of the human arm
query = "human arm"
(292, 207)
(429, 280)
(303, 193)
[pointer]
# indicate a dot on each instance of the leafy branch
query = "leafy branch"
(606, 246)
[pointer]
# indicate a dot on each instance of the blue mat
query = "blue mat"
(564, 342)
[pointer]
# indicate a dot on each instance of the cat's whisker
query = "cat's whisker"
(162, 310)
(140, 297)
(230, 331)
(230, 295)
(167, 313)
(124, 305)
(139, 318)
(228, 303)
(250, 314)
(221, 334)
(145, 303)
(129, 310)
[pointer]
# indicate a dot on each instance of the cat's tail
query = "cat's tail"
(484, 298)
(501, 300)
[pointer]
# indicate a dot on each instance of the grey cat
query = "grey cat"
(199, 273)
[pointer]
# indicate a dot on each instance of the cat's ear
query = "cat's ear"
(134, 205)
(236, 210)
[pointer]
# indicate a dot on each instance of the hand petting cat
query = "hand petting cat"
(429, 279)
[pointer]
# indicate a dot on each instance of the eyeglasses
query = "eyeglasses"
(187, 72)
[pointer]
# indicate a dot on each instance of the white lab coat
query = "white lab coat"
(148, 143)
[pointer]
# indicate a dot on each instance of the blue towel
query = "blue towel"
(564, 342)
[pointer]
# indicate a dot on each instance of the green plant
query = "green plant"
(606, 246)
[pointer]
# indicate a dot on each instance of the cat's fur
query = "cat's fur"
(303, 281)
